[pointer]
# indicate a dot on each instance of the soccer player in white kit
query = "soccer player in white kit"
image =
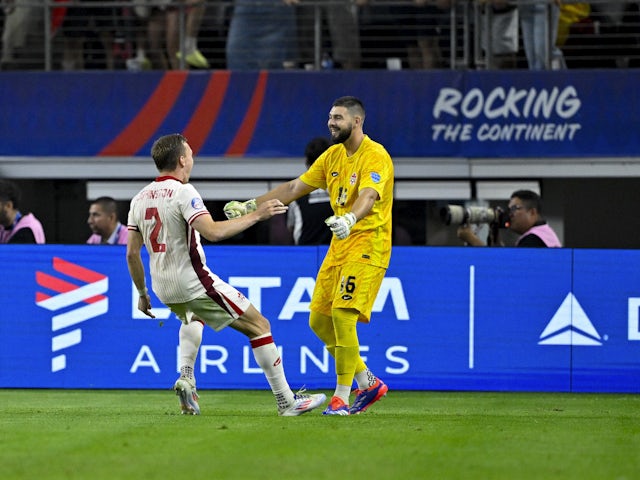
(167, 217)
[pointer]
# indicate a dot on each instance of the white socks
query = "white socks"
(264, 351)
(190, 337)
(267, 356)
(365, 379)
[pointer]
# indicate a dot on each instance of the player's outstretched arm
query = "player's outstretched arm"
(235, 209)
(218, 231)
(285, 192)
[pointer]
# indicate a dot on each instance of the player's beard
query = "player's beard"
(342, 135)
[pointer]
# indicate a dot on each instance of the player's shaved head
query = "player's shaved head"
(353, 104)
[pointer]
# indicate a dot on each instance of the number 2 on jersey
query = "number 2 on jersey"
(151, 213)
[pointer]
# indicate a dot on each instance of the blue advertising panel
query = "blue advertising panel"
(413, 113)
(607, 284)
(445, 318)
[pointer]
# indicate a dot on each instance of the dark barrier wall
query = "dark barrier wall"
(446, 318)
(271, 114)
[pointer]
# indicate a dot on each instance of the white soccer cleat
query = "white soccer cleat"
(303, 403)
(186, 392)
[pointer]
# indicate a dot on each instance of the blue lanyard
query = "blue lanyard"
(17, 219)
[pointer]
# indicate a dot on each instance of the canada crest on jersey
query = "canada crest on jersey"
(197, 203)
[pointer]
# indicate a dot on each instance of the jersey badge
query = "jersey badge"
(353, 178)
(197, 204)
(375, 176)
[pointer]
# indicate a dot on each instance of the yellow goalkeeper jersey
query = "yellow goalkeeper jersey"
(343, 177)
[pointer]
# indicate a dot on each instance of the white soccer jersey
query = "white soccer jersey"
(163, 212)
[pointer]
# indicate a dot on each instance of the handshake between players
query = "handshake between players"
(340, 225)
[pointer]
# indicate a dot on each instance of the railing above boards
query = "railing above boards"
(370, 34)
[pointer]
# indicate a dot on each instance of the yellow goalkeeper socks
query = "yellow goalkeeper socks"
(347, 347)
(322, 326)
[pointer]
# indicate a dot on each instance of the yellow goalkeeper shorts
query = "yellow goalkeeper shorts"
(352, 285)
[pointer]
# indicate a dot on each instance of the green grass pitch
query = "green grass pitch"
(115, 434)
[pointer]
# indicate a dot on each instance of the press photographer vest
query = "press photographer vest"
(25, 221)
(544, 233)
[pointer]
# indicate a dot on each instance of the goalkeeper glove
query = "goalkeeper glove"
(341, 225)
(235, 209)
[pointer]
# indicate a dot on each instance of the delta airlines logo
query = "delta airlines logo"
(78, 297)
(570, 326)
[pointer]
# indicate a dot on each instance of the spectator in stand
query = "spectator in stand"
(537, 40)
(306, 215)
(499, 33)
(342, 22)
(427, 20)
(81, 22)
(194, 11)
(262, 35)
(525, 217)
(409, 32)
(22, 20)
(16, 227)
(104, 223)
(157, 26)
(162, 20)
(139, 21)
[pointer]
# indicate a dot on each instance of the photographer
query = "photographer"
(525, 218)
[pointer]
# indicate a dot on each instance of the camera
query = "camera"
(459, 215)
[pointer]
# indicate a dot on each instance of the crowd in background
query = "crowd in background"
(313, 34)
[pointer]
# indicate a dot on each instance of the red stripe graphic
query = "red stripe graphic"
(206, 113)
(60, 286)
(150, 116)
(245, 132)
(76, 271)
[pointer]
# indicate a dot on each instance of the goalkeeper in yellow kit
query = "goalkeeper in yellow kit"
(358, 174)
